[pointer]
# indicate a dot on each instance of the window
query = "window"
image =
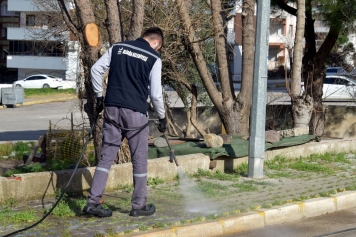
(30, 20)
(3, 32)
(272, 53)
(41, 77)
(336, 81)
(5, 12)
(31, 78)
(276, 27)
(291, 31)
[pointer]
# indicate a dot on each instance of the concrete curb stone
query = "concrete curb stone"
(260, 218)
(45, 101)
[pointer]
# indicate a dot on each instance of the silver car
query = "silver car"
(39, 81)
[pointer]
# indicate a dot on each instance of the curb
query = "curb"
(45, 101)
(261, 217)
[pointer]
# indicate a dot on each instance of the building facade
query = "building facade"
(34, 48)
(281, 40)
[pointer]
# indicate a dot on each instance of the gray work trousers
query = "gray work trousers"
(112, 138)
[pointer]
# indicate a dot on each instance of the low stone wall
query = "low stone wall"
(40, 185)
(293, 152)
(340, 121)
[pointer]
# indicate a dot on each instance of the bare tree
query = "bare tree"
(229, 109)
(83, 23)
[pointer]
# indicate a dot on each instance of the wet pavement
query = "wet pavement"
(191, 199)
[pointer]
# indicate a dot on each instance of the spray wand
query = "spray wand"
(172, 156)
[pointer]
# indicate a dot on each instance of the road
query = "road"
(338, 224)
(29, 122)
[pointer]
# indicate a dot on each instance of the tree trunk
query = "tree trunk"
(136, 23)
(220, 48)
(113, 21)
(89, 55)
(314, 69)
(302, 106)
(244, 98)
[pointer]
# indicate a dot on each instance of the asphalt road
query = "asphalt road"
(29, 122)
(338, 224)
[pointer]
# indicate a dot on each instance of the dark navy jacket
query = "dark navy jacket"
(132, 64)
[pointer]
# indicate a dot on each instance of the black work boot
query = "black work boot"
(147, 210)
(97, 210)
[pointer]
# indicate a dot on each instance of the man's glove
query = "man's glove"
(162, 126)
(99, 104)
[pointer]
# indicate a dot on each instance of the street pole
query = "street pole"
(258, 109)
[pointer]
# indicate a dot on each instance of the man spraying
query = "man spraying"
(133, 67)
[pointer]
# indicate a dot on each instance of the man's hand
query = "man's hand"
(99, 104)
(162, 126)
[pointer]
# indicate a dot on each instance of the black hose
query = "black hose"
(64, 189)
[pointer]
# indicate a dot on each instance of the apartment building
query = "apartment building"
(281, 41)
(34, 48)
(7, 19)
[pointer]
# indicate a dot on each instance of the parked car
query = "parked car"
(336, 71)
(39, 81)
(338, 88)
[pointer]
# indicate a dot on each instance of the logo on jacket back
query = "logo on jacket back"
(120, 51)
(131, 54)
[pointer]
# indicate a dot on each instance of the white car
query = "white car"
(338, 88)
(39, 81)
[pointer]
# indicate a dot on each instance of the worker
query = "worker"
(134, 72)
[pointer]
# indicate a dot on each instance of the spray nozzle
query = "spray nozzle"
(172, 157)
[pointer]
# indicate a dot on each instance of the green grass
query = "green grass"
(301, 165)
(154, 181)
(245, 187)
(9, 216)
(211, 189)
(19, 148)
(278, 163)
(6, 149)
(35, 167)
(127, 188)
(215, 175)
(47, 91)
(242, 169)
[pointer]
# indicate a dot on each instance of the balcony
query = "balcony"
(33, 33)
(21, 6)
(37, 62)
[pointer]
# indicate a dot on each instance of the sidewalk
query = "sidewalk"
(214, 204)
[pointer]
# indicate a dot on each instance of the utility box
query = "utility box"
(12, 96)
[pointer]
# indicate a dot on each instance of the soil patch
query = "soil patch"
(8, 164)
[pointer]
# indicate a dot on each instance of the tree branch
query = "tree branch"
(71, 24)
(283, 5)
